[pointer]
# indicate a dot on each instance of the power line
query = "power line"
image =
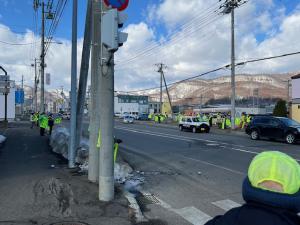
(149, 52)
(188, 29)
(215, 70)
(9, 43)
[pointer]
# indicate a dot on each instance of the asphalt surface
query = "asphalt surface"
(190, 178)
(37, 188)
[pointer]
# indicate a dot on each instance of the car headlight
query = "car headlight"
(298, 130)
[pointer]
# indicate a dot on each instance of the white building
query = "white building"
(130, 104)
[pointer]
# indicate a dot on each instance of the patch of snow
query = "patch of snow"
(2, 139)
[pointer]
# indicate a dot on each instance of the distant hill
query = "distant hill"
(263, 86)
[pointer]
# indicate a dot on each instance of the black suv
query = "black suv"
(274, 128)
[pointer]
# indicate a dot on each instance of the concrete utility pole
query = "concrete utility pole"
(72, 144)
(93, 171)
(106, 166)
(84, 69)
(22, 86)
(42, 100)
(232, 70)
(229, 7)
(161, 68)
(35, 86)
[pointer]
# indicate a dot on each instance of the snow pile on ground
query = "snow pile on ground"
(2, 139)
(59, 142)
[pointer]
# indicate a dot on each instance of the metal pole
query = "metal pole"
(106, 158)
(160, 98)
(84, 69)
(42, 102)
(93, 173)
(232, 71)
(35, 87)
(73, 87)
(106, 169)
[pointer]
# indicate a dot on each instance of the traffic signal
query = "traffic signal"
(112, 21)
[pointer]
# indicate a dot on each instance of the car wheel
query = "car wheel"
(180, 128)
(194, 129)
(290, 138)
(207, 130)
(254, 135)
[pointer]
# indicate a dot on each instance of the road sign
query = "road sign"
(19, 95)
(4, 90)
(117, 4)
(4, 78)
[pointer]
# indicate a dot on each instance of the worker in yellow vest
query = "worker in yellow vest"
(43, 121)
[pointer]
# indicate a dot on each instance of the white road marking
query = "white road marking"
(197, 139)
(193, 215)
(212, 164)
(226, 204)
(190, 214)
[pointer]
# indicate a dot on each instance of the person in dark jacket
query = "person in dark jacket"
(271, 192)
(50, 123)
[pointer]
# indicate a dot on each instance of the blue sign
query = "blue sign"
(19, 96)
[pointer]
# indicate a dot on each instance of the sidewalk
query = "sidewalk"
(37, 188)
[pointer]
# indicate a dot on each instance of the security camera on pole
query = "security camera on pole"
(112, 38)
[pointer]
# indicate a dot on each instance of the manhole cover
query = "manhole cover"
(69, 223)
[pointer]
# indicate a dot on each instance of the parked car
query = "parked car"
(143, 116)
(193, 124)
(128, 119)
(66, 116)
(277, 128)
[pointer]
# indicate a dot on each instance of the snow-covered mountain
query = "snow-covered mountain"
(247, 86)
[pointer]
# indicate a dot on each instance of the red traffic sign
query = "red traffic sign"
(117, 4)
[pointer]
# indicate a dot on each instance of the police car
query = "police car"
(194, 124)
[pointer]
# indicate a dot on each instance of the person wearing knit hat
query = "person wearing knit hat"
(271, 192)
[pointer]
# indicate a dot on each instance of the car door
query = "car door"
(264, 126)
(276, 128)
(188, 122)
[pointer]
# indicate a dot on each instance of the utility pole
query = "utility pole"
(42, 100)
(22, 86)
(106, 160)
(232, 70)
(94, 127)
(84, 69)
(229, 7)
(160, 96)
(111, 40)
(72, 144)
(161, 68)
(35, 86)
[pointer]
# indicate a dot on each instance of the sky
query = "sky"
(189, 37)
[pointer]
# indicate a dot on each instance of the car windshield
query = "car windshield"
(196, 120)
(289, 122)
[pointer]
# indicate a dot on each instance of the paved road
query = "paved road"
(191, 177)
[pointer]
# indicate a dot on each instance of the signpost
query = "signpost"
(117, 4)
(5, 78)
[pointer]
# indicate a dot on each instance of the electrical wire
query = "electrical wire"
(217, 69)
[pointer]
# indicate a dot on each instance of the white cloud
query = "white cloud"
(202, 46)
(17, 59)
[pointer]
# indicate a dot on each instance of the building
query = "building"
(295, 106)
(133, 104)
